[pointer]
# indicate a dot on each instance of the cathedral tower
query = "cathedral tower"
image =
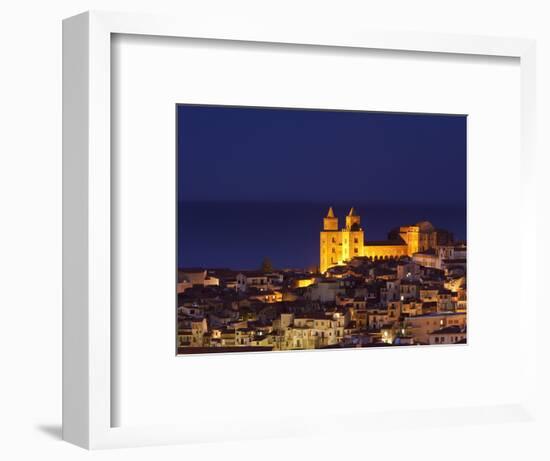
(330, 223)
(340, 245)
(353, 237)
(330, 242)
(352, 219)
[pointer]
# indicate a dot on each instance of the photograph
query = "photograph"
(302, 229)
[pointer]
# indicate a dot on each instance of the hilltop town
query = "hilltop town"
(408, 290)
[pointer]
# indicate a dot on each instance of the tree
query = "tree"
(266, 265)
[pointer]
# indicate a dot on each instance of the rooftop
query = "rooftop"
(374, 243)
(451, 329)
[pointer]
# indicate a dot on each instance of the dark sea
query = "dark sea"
(238, 235)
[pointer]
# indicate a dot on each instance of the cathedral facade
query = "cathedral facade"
(338, 245)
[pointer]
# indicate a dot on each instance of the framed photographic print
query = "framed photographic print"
(284, 233)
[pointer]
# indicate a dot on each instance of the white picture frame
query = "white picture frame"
(87, 358)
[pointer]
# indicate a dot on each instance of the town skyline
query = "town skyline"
(306, 266)
(407, 290)
(202, 244)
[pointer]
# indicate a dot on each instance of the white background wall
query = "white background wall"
(30, 228)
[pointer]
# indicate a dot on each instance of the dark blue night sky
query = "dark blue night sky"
(394, 168)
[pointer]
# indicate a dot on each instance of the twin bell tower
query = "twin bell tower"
(339, 245)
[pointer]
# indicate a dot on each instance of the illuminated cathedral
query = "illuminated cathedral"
(337, 246)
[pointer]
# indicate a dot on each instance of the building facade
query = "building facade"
(338, 245)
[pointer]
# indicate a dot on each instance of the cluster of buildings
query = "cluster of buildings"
(408, 290)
